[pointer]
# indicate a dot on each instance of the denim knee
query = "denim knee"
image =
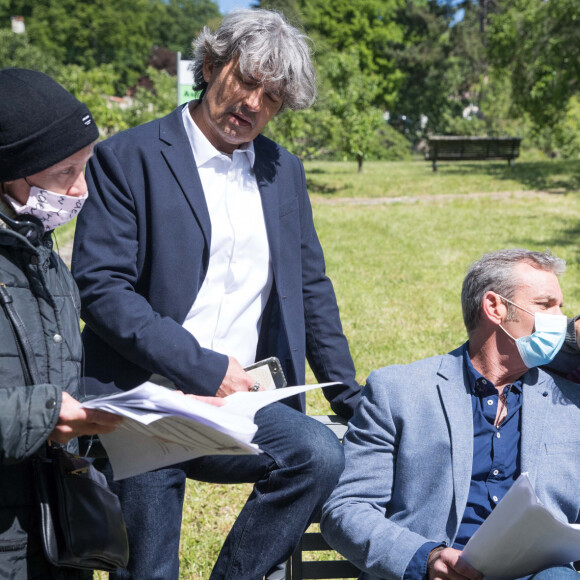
(324, 452)
(300, 445)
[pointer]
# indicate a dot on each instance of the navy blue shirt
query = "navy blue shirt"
(496, 450)
(496, 460)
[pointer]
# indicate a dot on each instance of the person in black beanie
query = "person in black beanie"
(46, 138)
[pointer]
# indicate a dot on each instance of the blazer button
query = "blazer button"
(50, 404)
(57, 338)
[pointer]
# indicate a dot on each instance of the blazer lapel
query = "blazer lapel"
(537, 393)
(456, 401)
(179, 157)
(266, 177)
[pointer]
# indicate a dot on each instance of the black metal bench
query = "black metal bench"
(472, 148)
(299, 569)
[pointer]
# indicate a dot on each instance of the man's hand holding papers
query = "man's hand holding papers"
(521, 537)
(163, 427)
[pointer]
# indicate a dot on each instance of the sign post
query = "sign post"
(185, 90)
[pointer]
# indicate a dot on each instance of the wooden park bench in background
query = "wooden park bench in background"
(472, 148)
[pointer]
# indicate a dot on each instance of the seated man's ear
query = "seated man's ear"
(494, 308)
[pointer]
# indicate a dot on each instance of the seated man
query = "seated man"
(434, 445)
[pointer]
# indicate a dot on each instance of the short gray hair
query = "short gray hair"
(267, 47)
(494, 272)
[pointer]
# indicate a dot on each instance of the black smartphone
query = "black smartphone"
(268, 373)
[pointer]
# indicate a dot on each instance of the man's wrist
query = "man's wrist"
(417, 567)
(433, 556)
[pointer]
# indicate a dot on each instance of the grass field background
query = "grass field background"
(397, 269)
(415, 178)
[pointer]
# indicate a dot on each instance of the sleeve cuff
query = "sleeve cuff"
(417, 567)
(571, 342)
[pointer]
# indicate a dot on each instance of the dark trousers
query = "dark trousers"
(300, 466)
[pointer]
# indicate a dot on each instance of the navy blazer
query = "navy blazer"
(141, 254)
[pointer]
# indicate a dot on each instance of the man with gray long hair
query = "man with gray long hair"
(266, 48)
(200, 259)
(436, 444)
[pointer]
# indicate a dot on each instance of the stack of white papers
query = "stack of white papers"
(162, 427)
(521, 537)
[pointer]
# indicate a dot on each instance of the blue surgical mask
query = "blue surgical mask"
(541, 347)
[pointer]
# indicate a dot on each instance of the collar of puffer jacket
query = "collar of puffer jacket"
(7, 209)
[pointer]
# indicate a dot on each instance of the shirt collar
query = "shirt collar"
(478, 384)
(203, 150)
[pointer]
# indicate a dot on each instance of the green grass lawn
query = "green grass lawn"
(416, 178)
(397, 270)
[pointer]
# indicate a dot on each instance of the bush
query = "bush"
(567, 132)
(16, 51)
(314, 134)
(95, 87)
(389, 145)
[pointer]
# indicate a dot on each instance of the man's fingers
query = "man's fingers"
(218, 402)
(236, 379)
(74, 420)
(71, 412)
(99, 428)
(443, 571)
(447, 564)
(103, 418)
(466, 570)
(77, 428)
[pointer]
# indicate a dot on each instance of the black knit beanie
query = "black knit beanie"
(41, 123)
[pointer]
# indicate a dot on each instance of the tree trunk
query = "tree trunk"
(359, 160)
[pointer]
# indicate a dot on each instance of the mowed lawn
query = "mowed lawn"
(416, 178)
(397, 269)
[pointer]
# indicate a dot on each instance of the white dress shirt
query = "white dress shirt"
(226, 314)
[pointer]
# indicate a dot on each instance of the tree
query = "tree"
(343, 123)
(309, 134)
(92, 88)
(16, 51)
(365, 27)
(431, 75)
(95, 86)
(468, 45)
(182, 20)
(289, 8)
(536, 41)
(358, 79)
(90, 33)
(349, 97)
(483, 8)
(444, 62)
(117, 32)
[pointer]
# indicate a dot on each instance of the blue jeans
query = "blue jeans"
(300, 466)
(555, 573)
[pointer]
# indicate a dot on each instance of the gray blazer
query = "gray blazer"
(409, 451)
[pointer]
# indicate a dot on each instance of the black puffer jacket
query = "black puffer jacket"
(39, 288)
